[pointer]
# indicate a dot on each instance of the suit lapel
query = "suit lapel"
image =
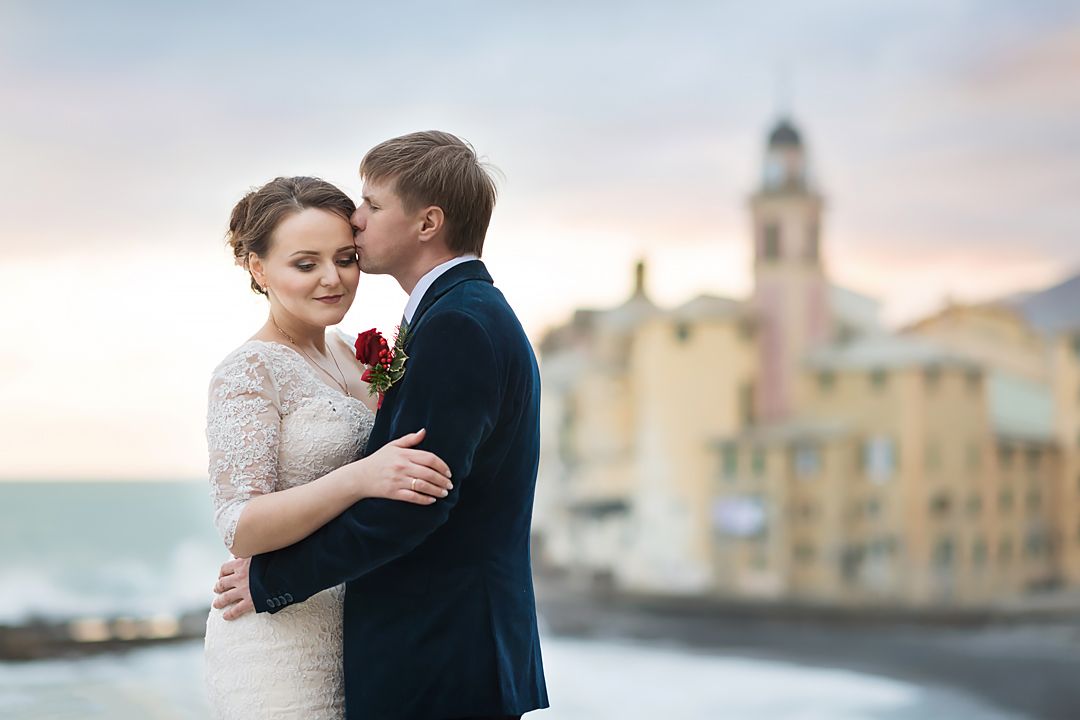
(466, 271)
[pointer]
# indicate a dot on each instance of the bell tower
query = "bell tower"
(791, 292)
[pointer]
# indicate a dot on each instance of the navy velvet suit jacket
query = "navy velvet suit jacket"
(440, 616)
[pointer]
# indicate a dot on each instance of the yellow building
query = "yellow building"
(626, 446)
(1065, 369)
(995, 335)
(788, 447)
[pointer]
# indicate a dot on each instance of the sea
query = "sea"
(77, 550)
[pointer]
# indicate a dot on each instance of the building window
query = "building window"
(682, 332)
(804, 552)
(974, 379)
(882, 548)
(826, 380)
(873, 508)
(1034, 500)
(879, 379)
(1005, 549)
(940, 504)
(978, 553)
(974, 505)
(772, 241)
(807, 461)
(850, 560)
(757, 461)
(1034, 545)
(746, 403)
(879, 459)
(1005, 499)
(740, 516)
(1033, 459)
(933, 377)
(943, 553)
(1076, 346)
(731, 461)
(812, 242)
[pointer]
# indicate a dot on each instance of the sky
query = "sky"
(945, 136)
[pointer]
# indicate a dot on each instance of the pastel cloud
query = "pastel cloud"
(945, 138)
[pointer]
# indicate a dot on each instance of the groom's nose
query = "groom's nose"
(358, 220)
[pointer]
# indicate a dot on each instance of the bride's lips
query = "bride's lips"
(329, 299)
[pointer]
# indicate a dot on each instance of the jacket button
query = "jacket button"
(288, 597)
(270, 602)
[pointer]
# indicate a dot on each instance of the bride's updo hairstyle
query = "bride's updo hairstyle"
(257, 215)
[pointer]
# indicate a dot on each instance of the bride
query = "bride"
(288, 414)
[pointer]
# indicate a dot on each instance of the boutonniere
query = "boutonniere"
(385, 365)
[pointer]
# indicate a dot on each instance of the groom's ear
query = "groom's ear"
(432, 221)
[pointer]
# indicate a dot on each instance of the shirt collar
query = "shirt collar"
(428, 279)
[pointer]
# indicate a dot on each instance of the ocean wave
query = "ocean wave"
(176, 584)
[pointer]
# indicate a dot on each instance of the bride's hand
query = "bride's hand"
(397, 471)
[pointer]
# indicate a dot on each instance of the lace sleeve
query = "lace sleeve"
(243, 422)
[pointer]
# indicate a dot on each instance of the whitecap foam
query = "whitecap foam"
(180, 583)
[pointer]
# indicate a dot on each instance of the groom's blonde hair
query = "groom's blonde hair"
(437, 168)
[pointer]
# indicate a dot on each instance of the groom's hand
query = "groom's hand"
(233, 594)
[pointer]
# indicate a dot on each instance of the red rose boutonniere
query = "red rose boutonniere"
(386, 365)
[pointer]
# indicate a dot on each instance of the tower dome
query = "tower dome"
(785, 135)
(785, 160)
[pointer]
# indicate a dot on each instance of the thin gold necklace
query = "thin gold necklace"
(343, 384)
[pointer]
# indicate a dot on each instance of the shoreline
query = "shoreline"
(1024, 663)
(44, 639)
(1027, 663)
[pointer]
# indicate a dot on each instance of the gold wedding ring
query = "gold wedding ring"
(414, 484)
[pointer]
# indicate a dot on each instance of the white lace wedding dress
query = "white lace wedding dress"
(272, 424)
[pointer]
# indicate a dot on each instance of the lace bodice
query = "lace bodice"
(272, 424)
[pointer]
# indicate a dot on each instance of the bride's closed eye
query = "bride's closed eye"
(346, 261)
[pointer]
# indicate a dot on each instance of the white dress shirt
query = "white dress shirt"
(426, 282)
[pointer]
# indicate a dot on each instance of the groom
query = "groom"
(440, 618)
